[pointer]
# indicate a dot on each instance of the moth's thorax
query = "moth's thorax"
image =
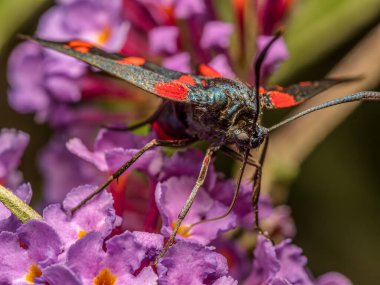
(229, 114)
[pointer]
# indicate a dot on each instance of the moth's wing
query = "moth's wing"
(165, 83)
(282, 97)
(207, 71)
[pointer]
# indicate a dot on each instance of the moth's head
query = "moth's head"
(249, 136)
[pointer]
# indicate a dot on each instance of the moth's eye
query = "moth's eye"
(242, 136)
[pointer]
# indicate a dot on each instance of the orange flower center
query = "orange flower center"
(105, 277)
(33, 272)
(81, 233)
(104, 35)
(183, 230)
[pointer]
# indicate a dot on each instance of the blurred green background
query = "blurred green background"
(336, 197)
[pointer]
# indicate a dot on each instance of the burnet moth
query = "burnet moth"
(215, 109)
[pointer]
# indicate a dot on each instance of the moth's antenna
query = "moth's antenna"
(258, 63)
(360, 96)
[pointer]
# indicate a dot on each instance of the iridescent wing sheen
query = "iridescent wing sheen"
(168, 84)
(282, 97)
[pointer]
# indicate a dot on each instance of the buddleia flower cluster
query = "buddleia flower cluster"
(116, 237)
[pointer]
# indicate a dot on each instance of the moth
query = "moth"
(204, 106)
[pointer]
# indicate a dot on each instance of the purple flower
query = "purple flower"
(99, 22)
(192, 264)
(225, 280)
(210, 37)
(216, 34)
(333, 278)
(220, 63)
(57, 274)
(24, 254)
(187, 8)
(164, 39)
(237, 259)
(122, 257)
(187, 163)
(270, 14)
(12, 147)
(279, 223)
(179, 62)
(56, 182)
(284, 264)
(52, 78)
(112, 149)
(97, 215)
(170, 198)
(276, 54)
(38, 79)
(223, 192)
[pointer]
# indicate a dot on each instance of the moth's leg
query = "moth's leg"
(235, 155)
(257, 187)
(236, 192)
(125, 166)
(201, 178)
(149, 120)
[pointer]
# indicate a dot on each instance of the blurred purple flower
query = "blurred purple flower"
(210, 37)
(41, 79)
(284, 264)
(220, 63)
(333, 278)
(164, 39)
(12, 147)
(270, 14)
(276, 54)
(237, 259)
(186, 8)
(56, 182)
(98, 21)
(180, 62)
(279, 224)
(216, 34)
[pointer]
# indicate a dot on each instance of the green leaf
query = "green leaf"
(13, 14)
(21, 210)
(317, 27)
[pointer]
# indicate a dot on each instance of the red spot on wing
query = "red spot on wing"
(208, 71)
(305, 83)
(261, 90)
(161, 132)
(133, 60)
(79, 46)
(279, 88)
(79, 43)
(82, 49)
(282, 99)
(203, 83)
(175, 90)
(187, 79)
